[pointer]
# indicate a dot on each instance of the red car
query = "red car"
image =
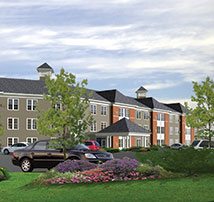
(92, 145)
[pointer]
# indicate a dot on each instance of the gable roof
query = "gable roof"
(24, 86)
(123, 126)
(44, 66)
(177, 107)
(37, 87)
(154, 104)
(116, 96)
(141, 89)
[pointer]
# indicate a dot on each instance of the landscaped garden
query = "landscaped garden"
(161, 174)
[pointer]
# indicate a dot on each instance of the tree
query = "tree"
(202, 116)
(66, 119)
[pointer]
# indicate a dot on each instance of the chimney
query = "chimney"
(141, 92)
(44, 70)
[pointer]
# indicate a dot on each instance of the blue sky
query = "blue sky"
(160, 44)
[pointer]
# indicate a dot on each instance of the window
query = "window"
(160, 130)
(40, 146)
(124, 112)
(12, 140)
(13, 124)
(176, 118)
(160, 117)
(88, 143)
(160, 142)
(171, 118)
(146, 115)
(93, 126)
(31, 139)
(31, 105)
(103, 125)
(171, 130)
(139, 142)
(187, 131)
(31, 124)
(176, 130)
(13, 104)
(93, 109)
(103, 110)
(138, 114)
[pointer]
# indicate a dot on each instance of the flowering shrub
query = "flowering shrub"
(120, 167)
(74, 165)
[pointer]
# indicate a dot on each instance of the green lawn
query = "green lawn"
(183, 189)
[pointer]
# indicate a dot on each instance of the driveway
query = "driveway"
(5, 161)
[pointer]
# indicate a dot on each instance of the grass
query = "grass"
(195, 189)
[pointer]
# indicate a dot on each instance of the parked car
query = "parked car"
(42, 155)
(201, 144)
(92, 145)
(177, 146)
(12, 148)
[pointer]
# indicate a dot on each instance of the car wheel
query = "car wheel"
(26, 165)
(6, 152)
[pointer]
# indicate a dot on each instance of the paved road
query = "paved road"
(5, 161)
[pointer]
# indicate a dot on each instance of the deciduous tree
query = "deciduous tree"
(202, 116)
(67, 118)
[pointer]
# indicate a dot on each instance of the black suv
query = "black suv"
(41, 155)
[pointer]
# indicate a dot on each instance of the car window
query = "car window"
(204, 144)
(88, 143)
(81, 147)
(97, 144)
(21, 145)
(195, 142)
(40, 146)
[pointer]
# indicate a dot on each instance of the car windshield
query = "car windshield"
(81, 147)
(97, 144)
(195, 142)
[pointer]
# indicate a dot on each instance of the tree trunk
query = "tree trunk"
(210, 136)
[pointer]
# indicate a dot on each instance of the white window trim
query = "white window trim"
(12, 104)
(31, 104)
(103, 110)
(12, 139)
(103, 122)
(94, 124)
(31, 139)
(13, 123)
(92, 112)
(31, 124)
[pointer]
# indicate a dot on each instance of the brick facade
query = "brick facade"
(192, 133)
(166, 138)
(154, 128)
(182, 129)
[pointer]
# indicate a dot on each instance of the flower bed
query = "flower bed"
(125, 169)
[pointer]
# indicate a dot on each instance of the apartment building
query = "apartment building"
(120, 121)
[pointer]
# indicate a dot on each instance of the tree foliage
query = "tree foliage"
(66, 119)
(202, 116)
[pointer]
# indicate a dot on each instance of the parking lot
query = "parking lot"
(5, 161)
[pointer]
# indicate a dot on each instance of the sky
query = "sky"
(162, 45)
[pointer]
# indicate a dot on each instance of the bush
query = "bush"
(157, 171)
(74, 165)
(4, 175)
(112, 150)
(189, 160)
(120, 167)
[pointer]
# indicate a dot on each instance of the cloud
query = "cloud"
(159, 43)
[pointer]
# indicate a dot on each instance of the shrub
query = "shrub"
(157, 171)
(4, 175)
(120, 167)
(112, 150)
(74, 165)
(188, 160)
